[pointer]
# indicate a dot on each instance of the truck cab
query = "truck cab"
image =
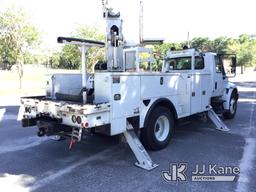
(206, 75)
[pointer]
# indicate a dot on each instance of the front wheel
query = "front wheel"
(230, 114)
(158, 130)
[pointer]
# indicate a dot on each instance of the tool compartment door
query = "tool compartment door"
(206, 88)
(125, 95)
(195, 93)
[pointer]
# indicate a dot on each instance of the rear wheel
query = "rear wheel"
(230, 114)
(158, 130)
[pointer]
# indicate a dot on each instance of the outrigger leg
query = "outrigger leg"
(144, 160)
(220, 125)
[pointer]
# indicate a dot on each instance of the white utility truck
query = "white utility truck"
(122, 98)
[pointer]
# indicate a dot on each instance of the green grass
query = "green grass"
(33, 81)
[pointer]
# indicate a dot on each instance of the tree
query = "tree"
(93, 55)
(219, 44)
(17, 37)
(247, 50)
(244, 47)
(201, 43)
(70, 57)
(159, 51)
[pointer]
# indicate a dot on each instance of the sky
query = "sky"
(168, 19)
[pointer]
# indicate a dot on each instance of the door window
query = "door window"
(218, 64)
(199, 62)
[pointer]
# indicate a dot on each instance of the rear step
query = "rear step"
(77, 134)
(217, 105)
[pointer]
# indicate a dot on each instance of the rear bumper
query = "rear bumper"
(71, 114)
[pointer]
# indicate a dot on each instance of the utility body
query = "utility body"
(123, 95)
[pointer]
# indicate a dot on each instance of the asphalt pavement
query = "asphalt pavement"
(100, 163)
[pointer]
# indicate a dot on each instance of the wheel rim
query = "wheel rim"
(162, 128)
(232, 106)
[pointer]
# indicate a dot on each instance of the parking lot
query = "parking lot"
(99, 163)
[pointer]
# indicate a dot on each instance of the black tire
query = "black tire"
(160, 115)
(231, 112)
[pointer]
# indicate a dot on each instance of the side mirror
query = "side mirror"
(233, 65)
(229, 64)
